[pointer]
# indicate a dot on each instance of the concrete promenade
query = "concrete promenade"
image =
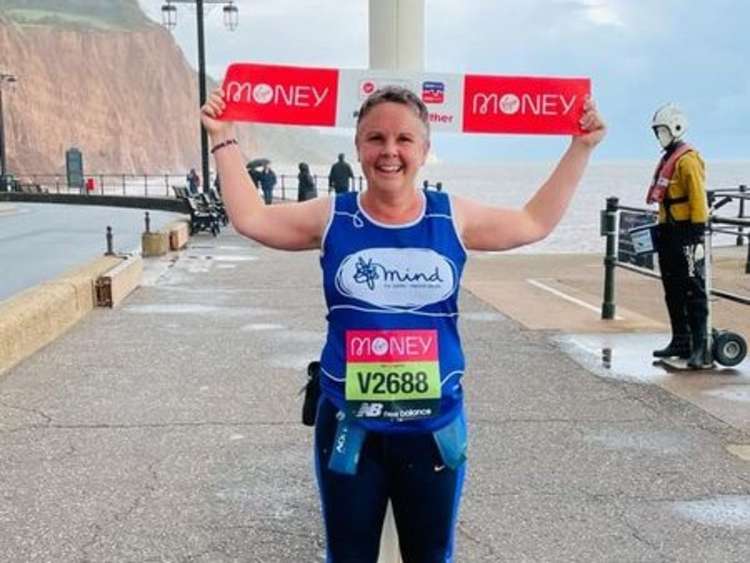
(168, 429)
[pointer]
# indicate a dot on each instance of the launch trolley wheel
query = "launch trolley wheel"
(729, 348)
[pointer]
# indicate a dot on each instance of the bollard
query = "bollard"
(148, 222)
(609, 229)
(109, 252)
(741, 215)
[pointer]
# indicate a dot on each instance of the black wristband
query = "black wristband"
(223, 144)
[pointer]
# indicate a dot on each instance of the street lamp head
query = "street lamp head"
(231, 16)
(169, 15)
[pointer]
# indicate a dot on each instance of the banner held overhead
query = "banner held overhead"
(456, 103)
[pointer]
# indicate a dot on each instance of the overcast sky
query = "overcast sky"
(638, 53)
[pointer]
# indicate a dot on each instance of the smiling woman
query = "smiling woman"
(390, 423)
(392, 140)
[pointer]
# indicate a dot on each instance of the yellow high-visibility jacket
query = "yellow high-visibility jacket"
(688, 180)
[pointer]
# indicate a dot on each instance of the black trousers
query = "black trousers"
(405, 468)
(683, 270)
(268, 196)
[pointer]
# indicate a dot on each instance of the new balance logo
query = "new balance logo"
(369, 410)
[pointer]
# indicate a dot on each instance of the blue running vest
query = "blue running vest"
(392, 297)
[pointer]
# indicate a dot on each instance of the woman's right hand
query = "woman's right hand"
(211, 112)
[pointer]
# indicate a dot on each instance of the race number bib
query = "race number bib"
(392, 374)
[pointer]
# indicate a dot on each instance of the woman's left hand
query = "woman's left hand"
(592, 124)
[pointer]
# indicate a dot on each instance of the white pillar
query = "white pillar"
(396, 43)
(389, 552)
(397, 34)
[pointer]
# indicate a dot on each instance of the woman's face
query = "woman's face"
(392, 145)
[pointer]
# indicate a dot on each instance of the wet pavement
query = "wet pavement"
(722, 391)
(564, 292)
(168, 430)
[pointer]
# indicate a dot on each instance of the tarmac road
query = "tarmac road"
(41, 241)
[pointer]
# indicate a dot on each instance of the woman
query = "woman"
(390, 421)
(305, 183)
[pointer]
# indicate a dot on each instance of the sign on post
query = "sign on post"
(74, 168)
(632, 251)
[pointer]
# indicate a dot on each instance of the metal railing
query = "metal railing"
(151, 185)
(160, 185)
(287, 183)
(738, 226)
(140, 185)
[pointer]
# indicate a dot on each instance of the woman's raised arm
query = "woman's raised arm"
(484, 227)
(289, 226)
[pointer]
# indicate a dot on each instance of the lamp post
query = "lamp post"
(169, 19)
(5, 78)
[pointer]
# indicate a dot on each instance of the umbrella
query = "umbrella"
(257, 163)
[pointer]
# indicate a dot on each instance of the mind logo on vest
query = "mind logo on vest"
(397, 277)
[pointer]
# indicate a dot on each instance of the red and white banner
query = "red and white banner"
(457, 103)
(281, 94)
(523, 104)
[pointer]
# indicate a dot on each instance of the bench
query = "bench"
(203, 215)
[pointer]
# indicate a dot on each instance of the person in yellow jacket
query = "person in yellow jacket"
(679, 187)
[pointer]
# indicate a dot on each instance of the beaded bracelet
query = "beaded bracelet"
(223, 144)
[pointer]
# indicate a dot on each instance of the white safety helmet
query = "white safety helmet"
(669, 124)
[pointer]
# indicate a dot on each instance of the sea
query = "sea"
(43, 240)
(512, 184)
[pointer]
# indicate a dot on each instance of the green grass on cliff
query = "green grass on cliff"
(87, 14)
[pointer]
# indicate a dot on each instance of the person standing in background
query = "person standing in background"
(679, 187)
(305, 183)
(340, 174)
(267, 183)
(193, 181)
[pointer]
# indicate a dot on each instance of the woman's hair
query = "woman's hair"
(398, 95)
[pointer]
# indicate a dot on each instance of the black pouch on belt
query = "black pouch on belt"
(312, 394)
